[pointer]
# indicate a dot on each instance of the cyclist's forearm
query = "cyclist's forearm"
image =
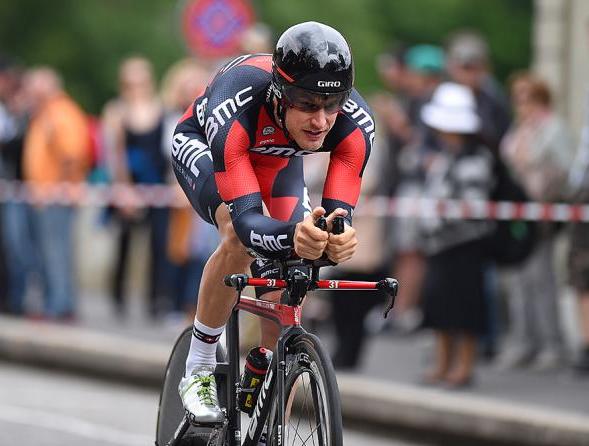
(331, 205)
(268, 237)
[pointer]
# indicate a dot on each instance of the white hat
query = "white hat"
(452, 109)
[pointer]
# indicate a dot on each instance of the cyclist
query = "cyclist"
(242, 143)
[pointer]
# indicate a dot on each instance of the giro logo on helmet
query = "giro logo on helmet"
(328, 83)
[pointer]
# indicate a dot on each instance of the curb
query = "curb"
(81, 350)
(377, 403)
(464, 416)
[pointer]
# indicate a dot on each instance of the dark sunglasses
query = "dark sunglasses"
(310, 102)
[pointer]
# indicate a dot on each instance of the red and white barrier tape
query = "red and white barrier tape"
(405, 207)
(83, 194)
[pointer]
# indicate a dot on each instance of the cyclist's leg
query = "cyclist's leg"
(194, 169)
(286, 199)
(215, 300)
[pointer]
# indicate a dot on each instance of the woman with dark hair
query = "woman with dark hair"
(133, 128)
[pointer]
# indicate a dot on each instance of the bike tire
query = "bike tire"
(310, 382)
(170, 409)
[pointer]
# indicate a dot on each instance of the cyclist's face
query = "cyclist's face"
(309, 117)
(309, 129)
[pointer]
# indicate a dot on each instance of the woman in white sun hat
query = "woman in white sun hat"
(453, 291)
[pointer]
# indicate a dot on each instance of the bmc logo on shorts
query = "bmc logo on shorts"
(328, 83)
(268, 242)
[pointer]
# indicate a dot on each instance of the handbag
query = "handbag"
(512, 241)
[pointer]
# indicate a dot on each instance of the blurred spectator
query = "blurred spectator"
(391, 111)
(4, 125)
(424, 67)
(539, 150)
(453, 289)
(423, 72)
(181, 84)
(393, 72)
(350, 310)
(3, 275)
(578, 262)
(56, 150)
(468, 63)
(133, 129)
(191, 244)
(190, 240)
(399, 174)
(256, 39)
(15, 217)
(413, 74)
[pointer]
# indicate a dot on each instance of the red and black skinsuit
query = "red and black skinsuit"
(228, 148)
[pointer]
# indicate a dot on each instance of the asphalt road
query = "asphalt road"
(51, 408)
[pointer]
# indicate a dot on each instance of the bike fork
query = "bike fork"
(233, 373)
(281, 377)
(180, 431)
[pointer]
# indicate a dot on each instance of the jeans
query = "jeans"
(53, 227)
(186, 284)
(20, 257)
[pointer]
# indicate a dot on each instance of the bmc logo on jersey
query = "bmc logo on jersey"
(328, 83)
(362, 117)
(268, 242)
(224, 111)
(284, 152)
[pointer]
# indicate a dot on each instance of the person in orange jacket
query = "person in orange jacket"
(56, 151)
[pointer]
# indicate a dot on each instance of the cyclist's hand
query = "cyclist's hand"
(341, 247)
(310, 241)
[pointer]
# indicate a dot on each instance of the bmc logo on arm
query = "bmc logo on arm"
(328, 83)
(268, 242)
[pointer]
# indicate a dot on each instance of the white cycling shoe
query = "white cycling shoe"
(198, 393)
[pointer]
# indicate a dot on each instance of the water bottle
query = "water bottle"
(256, 366)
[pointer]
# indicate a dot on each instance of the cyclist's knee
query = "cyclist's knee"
(231, 244)
(272, 296)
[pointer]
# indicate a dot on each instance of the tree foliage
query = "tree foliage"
(86, 39)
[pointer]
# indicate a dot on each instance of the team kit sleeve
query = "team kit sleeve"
(225, 123)
(354, 138)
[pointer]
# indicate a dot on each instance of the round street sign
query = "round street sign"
(213, 28)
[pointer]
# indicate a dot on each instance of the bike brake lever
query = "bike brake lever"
(390, 287)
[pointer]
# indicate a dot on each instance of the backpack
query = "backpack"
(512, 241)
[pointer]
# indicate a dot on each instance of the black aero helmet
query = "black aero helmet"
(315, 58)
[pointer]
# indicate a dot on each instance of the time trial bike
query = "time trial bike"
(298, 401)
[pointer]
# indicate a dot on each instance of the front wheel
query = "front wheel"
(313, 411)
